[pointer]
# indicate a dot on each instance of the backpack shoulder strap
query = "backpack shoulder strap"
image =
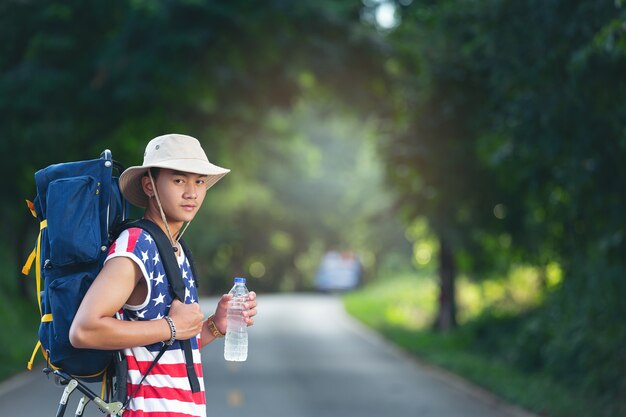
(192, 262)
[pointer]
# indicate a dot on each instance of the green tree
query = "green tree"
(514, 119)
(78, 78)
(432, 161)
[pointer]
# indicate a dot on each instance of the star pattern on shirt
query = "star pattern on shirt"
(160, 299)
(158, 302)
(159, 279)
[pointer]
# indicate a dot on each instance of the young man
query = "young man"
(171, 186)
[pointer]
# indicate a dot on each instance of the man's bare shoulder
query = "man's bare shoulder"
(120, 267)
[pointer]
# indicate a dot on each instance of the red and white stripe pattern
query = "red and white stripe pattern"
(166, 390)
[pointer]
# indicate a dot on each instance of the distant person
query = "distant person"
(171, 186)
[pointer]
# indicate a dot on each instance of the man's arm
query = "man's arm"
(96, 327)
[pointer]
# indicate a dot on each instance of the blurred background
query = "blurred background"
(467, 156)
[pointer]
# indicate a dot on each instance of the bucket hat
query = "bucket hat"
(172, 151)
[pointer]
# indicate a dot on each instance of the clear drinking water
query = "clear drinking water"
(236, 341)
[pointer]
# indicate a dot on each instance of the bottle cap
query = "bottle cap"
(240, 280)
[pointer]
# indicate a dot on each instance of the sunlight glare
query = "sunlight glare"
(387, 15)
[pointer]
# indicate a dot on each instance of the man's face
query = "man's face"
(181, 194)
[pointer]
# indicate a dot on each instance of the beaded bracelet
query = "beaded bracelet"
(170, 322)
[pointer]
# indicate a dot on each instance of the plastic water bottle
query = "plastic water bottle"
(236, 341)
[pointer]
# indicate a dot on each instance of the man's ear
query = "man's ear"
(146, 184)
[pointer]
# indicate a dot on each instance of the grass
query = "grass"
(402, 308)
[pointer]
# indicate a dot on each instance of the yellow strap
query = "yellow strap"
(32, 357)
(45, 356)
(29, 262)
(42, 226)
(31, 257)
(46, 318)
(35, 255)
(104, 384)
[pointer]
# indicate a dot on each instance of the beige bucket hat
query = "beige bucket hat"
(173, 151)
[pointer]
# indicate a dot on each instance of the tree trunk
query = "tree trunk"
(446, 317)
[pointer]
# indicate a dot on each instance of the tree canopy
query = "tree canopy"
(512, 138)
(499, 122)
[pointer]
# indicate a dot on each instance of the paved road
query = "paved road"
(307, 359)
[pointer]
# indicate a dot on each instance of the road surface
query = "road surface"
(307, 359)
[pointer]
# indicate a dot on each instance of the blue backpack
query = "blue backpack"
(78, 205)
(81, 211)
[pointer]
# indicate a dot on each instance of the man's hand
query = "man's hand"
(250, 306)
(187, 318)
(220, 312)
